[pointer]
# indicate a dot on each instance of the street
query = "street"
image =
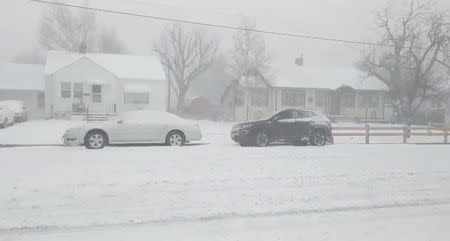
(217, 190)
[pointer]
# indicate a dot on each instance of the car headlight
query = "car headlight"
(245, 126)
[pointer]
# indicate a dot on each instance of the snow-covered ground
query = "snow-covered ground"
(217, 190)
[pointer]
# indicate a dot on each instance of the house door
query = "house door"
(335, 105)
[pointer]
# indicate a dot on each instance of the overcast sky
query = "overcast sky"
(345, 19)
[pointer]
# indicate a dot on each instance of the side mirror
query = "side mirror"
(119, 121)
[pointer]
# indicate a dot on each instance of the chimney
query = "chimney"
(83, 48)
(299, 61)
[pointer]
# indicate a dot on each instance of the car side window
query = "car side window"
(283, 116)
(296, 114)
(299, 114)
(303, 114)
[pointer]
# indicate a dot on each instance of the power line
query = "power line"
(214, 25)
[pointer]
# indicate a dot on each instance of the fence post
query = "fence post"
(367, 134)
(445, 135)
(405, 134)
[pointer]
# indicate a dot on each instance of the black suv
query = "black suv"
(291, 126)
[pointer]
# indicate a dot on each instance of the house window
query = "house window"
(260, 97)
(321, 98)
(349, 100)
(66, 89)
(41, 100)
(293, 98)
(97, 93)
(436, 102)
(136, 98)
(387, 100)
(78, 90)
(368, 100)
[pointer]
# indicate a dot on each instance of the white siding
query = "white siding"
(89, 73)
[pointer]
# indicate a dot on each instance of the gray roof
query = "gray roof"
(123, 66)
(22, 77)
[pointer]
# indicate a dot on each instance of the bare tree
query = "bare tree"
(108, 42)
(185, 55)
(249, 57)
(416, 65)
(62, 29)
(249, 51)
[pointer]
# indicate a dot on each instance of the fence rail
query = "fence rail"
(404, 131)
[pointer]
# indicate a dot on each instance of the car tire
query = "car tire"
(318, 138)
(95, 140)
(261, 139)
(175, 138)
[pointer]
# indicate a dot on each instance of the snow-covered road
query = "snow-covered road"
(220, 191)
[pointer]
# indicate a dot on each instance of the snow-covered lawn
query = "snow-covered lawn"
(220, 191)
(41, 132)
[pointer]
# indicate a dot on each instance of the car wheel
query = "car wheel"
(95, 140)
(318, 138)
(175, 138)
(261, 139)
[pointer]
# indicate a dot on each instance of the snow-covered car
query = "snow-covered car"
(135, 127)
(6, 117)
(18, 108)
(292, 126)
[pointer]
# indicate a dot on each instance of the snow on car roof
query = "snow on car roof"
(22, 77)
(123, 66)
(150, 115)
(324, 78)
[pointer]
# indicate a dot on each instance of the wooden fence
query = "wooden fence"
(403, 131)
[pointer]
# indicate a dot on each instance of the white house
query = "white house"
(337, 92)
(103, 83)
(24, 82)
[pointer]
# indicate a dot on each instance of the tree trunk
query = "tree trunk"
(181, 101)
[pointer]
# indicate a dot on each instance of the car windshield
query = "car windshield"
(270, 115)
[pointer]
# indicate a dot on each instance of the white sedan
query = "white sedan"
(6, 117)
(18, 108)
(135, 127)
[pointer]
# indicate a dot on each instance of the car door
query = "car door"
(154, 131)
(126, 131)
(303, 120)
(282, 126)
